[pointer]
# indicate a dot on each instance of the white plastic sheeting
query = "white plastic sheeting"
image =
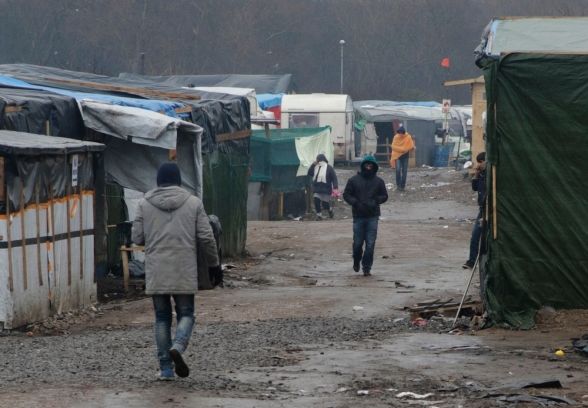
(134, 124)
(537, 34)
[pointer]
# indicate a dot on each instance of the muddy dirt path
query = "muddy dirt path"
(296, 327)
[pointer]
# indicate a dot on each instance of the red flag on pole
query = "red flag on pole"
(445, 62)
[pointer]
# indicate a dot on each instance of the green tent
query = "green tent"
(533, 251)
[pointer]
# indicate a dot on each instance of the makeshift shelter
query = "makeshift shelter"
(224, 119)
(536, 76)
(280, 160)
(47, 226)
(377, 122)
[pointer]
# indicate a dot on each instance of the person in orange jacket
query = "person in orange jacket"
(402, 144)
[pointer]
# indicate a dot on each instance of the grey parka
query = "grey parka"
(169, 222)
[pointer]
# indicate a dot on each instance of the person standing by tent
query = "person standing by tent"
(324, 183)
(365, 192)
(171, 223)
(402, 145)
(479, 185)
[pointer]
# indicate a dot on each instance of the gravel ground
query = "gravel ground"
(111, 357)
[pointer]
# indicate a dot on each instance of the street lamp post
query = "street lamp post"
(342, 44)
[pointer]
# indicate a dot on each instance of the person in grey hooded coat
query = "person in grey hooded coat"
(170, 222)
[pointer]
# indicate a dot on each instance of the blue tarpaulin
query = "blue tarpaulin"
(166, 107)
(266, 100)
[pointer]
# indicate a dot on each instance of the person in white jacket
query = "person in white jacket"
(170, 222)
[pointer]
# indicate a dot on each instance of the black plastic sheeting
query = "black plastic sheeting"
(39, 168)
(40, 112)
(261, 83)
(226, 166)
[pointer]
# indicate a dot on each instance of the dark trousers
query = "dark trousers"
(318, 203)
(365, 230)
(475, 239)
(401, 171)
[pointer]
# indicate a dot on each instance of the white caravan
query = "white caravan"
(318, 109)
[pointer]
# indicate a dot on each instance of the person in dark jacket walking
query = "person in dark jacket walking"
(324, 182)
(365, 192)
(479, 185)
(172, 224)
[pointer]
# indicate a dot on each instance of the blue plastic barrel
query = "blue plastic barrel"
(442, 153)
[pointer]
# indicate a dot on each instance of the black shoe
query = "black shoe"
(366, 273)
(468, 265)
(331, 213)
(356, 266)
(182, 370)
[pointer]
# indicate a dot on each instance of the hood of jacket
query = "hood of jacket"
(368, 159)
(167, 198)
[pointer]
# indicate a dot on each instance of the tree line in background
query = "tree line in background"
(393, 48)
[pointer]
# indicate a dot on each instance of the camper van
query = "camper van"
(316, 110)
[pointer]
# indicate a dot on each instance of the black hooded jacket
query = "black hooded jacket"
(366, 191)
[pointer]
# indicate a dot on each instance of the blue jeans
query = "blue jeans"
(401, 171)
(475, 239)
(365, 229)
(163, 322)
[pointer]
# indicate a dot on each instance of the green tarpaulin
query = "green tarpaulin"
(537, 145)
(283, 158)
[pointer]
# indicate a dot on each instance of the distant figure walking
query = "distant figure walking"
(324, 183)
(402, 145)
(365, 192)
(479, 185)
(171, 222)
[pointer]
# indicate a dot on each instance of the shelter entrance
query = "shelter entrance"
(385, 133)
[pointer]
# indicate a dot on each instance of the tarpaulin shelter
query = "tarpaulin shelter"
(225, 123)
(280, 160)
(377, 121)
(47, 225)
(536, 76)
(262, 83)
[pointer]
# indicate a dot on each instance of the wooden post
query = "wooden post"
(38, 222)
(81, 229)
(53, 249)
(281, 206)
(125, 264)
(68, 223)
(25, 278)
(494, 220)
(9, 239)
(124, 254)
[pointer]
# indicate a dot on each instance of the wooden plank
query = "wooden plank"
(470, 81)
(184, 109)
(12, 108)
(153, 93)
(241, 134)
(133, 248)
